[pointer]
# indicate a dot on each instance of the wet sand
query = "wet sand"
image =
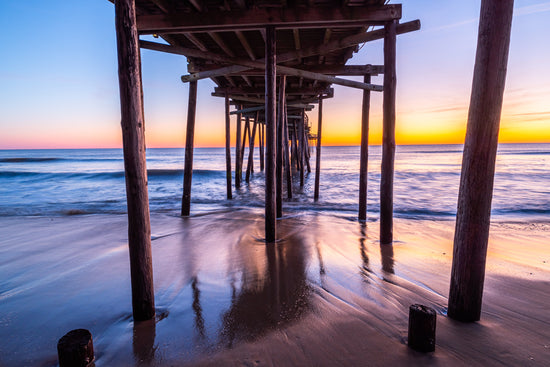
(327, 294)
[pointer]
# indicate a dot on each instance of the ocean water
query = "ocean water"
(91, 181)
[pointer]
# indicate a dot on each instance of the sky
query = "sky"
(59, 83)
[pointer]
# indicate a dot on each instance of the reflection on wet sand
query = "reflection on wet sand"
(274, 290)
(386, 254)
(143, 342)
(365, 270)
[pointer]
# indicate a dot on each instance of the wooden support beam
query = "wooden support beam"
(280, 121)
(326, 38)
(216, 37)
(191, 37)
(197, 4)
(228, 148)
(246, 110)
(164, 5)
(341, 70)
(260, 90)
(318, 153)
(238, 167)
(280, 18)
(388, 136)
(245, 45)
(478, 162)
(364, 157)
(189, 143)
(271, 136)
(284, 70)
(285, 57)
(133, 142)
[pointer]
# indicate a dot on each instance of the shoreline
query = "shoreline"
(328, 294)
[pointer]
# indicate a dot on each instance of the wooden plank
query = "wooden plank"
(364, 155)
(280, 18)
(388, 136)
(133, 142)
(318, 152)
(189, 143)
(287, 56)
(271, 136)
(478, 162)
(228, 148)
(246, 110)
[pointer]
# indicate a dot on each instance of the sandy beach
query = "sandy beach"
(327, 294)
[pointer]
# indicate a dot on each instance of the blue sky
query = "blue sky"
(59, 87)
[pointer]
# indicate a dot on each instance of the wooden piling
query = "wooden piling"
(280, 130)
(318, 151)
(301, 147)
(76, 349)
(294, 135)
(246, 137)
(238, 164)
(189, 142)
(478, 162)
(388, 135)
(228, 147)
(133, 141)
(271, 136)
(261, 136)
(288, 168)
(364, 160)
(250, 164)
(422, 323)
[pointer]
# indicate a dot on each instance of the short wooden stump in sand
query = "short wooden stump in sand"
(422, 321)
(76, 349)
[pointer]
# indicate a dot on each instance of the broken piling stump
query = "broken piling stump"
(76, 349)
(422, 320)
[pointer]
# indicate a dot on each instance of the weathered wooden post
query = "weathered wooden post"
(388, 134)
(302, 146)
(318, 152)
(76, 349)
(228, 147)
(133, 142)
(422, 323)
(478, 162)
(261, 145)
(364, 160)
(238, 165)
(246, 133)
(250, 164)
(280, 130)
(189, 139)
(271, 136)
(288, 167)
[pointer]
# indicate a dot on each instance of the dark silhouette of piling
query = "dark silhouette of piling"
(422, 321)
(478, 162)
(76, 349)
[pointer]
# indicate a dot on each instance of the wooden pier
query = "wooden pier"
(273, 61)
